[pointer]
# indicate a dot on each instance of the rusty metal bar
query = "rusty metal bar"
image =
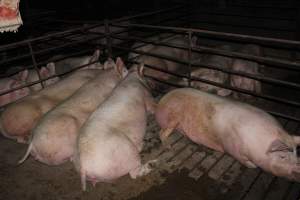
(34, 64)
(52, 60)
(190, 58)
(108, 38)
(24, 42)
(280, 43)
(274, 62)
(49, 49)
(267, 97)
(255, 77)
(44, 79)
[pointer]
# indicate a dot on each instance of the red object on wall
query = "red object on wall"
(10, 18)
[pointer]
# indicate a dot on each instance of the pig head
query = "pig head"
(284, 156)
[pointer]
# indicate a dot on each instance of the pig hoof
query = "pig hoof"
(21, 140)
(250, 164)
(152, 163)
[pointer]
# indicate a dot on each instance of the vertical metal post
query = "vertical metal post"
(190, 58)
(34, 63)
(108, 38)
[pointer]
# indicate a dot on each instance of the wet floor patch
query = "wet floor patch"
(179, 186)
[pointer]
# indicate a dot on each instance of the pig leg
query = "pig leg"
(245, 161)
(165, 133)
(250, 164)
(150, 103)
(142, 169)
(22, 140)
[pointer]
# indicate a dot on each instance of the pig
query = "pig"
(54, 137)
(213, 75)
(10, 83)
(18, 119)
(68, 64)
(247, 133)
(162, 63)
(22, 78)
(110, 140)
(45, 72)
(249, 67)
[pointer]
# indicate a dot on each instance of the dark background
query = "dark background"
(268, 18)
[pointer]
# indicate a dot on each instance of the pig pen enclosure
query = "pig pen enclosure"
(186, 170)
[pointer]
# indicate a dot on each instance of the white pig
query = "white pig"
(18, 119)
(213, 75)
(22, 78)
(68, 64)
(246, 66)
(164, 64)
(55, 135)
(247, 133)
(111, 139)
(45, 72)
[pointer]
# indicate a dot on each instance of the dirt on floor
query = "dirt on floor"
(33, 180)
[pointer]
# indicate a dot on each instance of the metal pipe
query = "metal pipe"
(190, 58)
(229, 71)
(281, 43)
(47, 36)
(34, 64)
(274, 62)
(263, 96)
(108, 39)
(44, 79)
(49, 49)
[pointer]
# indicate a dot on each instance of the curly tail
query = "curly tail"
(26, 154)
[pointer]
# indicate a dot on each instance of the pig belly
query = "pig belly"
(200, 132)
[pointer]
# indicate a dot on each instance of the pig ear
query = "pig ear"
(278, 145)
(120, 65)
(224, 92)
(51, 67)
(95, 56)
(110, 63)
(141, 70)
(44, 72)
(22, 75)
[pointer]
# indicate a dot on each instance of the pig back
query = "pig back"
(19, 118)
(191, 112)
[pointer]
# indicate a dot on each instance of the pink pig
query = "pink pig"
(247, 133)
(22, 78)
(55, 135)
(18, 119)
(110, 140)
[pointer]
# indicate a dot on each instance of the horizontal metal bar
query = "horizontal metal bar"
(44, 79)
(273, 62)
(253, 16)
(238, 37)
(47, 36)
(223, 23)
(147, 14)
(49, 49)
(267, 97)
(248, 75)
